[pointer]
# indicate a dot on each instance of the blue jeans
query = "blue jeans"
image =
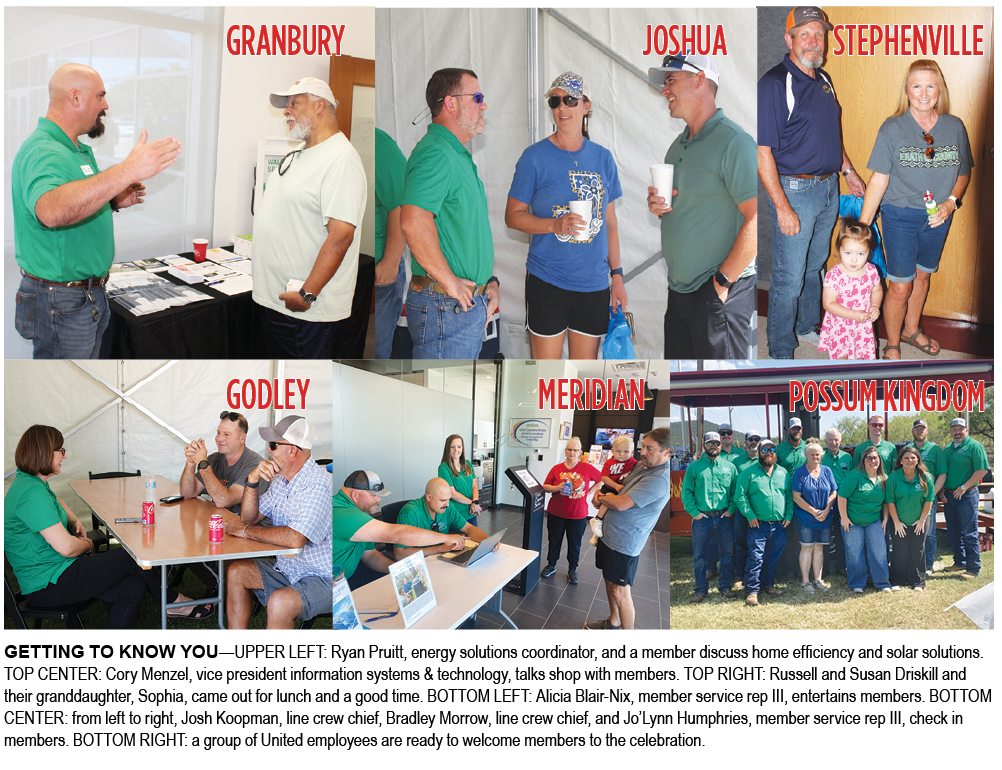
(702, 531)
(438, 331)
(61, 322)
(740, 544)
(865, 549)
(389, 303)
(962, 529)
(930, 538)
(797, 261)
(909, 243)
(765, 543)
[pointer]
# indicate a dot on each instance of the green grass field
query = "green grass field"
(838, 607)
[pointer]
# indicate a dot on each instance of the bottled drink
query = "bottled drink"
(149, 512)
(931, 209)
(568, 488)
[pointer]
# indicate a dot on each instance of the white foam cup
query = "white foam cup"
(583, 210)
(663, 177)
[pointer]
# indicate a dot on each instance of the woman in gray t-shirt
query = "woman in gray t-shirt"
(920, 149)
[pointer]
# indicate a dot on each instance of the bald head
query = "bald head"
(437, 494)
(76, 100)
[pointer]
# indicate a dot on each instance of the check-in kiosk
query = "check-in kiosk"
(533, 498)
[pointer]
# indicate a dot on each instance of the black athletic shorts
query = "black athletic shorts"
(618, 568)
(550, 310)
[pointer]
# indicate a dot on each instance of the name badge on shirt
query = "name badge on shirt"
(88, 171)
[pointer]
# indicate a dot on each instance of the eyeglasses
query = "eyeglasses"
(726, 433)
(554, 101)
(477, 97)
(768, 450)
(273, 445)
(930, 152)
(61, 451)
(283, 165)
(874, 458)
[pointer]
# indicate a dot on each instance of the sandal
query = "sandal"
(927, 348)
(198, 612)
(891, 347)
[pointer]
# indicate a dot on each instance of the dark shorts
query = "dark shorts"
(618, 568)
(550, 310)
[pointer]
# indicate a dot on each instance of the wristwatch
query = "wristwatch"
(722, 280)
(617, 271)
(848, 171)
(203, 465)
(307, 297)
(956, 201)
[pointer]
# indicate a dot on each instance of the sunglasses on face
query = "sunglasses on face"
(570, 101)
(713, 443)
(272, 445)
(768, 451)
(477, 97)
(726, 433)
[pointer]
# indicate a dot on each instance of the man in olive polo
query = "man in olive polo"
(966, 465)
(707, 491)
(453, 293)
(887, 451)
(709, 222)
(762, 498)
(64, 241)
(935, 461)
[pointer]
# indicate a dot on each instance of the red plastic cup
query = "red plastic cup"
(200, 244)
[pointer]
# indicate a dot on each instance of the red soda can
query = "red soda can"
(149, 514)
(215, 528)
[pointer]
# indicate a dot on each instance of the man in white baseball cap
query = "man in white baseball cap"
(308, 230)
(298, 503)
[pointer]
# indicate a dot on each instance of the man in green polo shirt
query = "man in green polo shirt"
(935, 460)
(708, 233)
(453, 294)
(840, 464)
(741, 461)
(887, 451)
(728, 451)
(790, 456)
(355, 533)
(433, 512)
(966, 465)
(64, 240)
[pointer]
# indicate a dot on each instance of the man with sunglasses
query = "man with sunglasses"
(935, 460)
(432, 512)
(453, 293)
(888, 452)
(708, 233)
(307, 231)
(222, 474)
(840, 463)
(762, 496)
(298, 505)
(741, 461)
(790, 455)
(800, 156)
(727, 450)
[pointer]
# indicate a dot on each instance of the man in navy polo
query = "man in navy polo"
(800, 154)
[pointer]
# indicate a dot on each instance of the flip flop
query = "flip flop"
(927, 348)
(198, 612)
(891, 347)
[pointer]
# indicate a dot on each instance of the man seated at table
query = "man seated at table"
(222, 474)
(432, 512)
(298, 504)
(356, 532)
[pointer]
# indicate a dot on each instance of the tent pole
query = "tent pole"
(532, 92)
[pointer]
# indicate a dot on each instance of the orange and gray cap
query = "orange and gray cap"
(805, 14)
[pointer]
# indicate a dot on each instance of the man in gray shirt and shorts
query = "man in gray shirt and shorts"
(222, 474)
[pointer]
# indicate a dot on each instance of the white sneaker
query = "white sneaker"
(813, 338)
(895, 588)
(886, 590)
(917, 588)
(596, 527)
(857, 590)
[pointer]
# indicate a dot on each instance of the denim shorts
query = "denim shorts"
(809, 536)
(316, 593)
(909, 243)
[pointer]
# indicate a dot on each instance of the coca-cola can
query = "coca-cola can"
(215, 528)
(149, 514)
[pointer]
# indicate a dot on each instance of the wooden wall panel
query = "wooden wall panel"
(868, 88)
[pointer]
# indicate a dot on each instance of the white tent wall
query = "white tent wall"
(629, 117)
(188, 396)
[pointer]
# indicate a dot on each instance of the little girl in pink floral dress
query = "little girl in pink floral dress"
(851, 296)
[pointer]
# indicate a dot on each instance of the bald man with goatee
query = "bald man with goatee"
(62, 202)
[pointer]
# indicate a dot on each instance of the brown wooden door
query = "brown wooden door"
(868, 88)
(346, 72)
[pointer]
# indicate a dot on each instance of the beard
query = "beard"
(98, 128)
(767, 461)
(472, 125)
(301, 130)
(811, 63)
(712, 452)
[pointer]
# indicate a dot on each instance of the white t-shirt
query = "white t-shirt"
(324, 182)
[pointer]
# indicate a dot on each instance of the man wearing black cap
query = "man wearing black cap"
(356, 532)
(935, 460)
(709, 231)
(298, 505)
(222, 474)
(799, 157)
(308, 229)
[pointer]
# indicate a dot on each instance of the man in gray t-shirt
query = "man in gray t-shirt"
(222, 474)
(632, 514)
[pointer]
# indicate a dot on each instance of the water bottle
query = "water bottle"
(149, 512)
(568, 488)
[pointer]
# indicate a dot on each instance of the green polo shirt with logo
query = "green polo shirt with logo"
(907, 496)
(442, 179)
(962, 461)
(887, 451)
(840, 464)
(933, 457)
(715, 170)
(864, 498)
(764, 496)
(48, 159)
(791, 457)
(416, 514)
(346, 520)
(708, 485)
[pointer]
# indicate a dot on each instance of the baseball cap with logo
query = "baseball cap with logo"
(795, 423)
(711, 436)
(805, 14)
(313, 86)
(959, 421)
(687, 62)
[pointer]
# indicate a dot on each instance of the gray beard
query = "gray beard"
(811, 64)
(471, 127)
(301, 130)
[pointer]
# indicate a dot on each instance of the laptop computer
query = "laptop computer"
(471, 555)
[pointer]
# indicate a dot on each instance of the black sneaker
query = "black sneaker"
(548, 571)
(572, 577)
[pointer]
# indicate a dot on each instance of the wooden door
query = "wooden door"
(346, 72)
(868, 88)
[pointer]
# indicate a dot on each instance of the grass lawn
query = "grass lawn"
(836, 608)
(96, 615)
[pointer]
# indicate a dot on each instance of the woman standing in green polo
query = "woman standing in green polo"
(462, 479)
(911, 493)
(860, 505)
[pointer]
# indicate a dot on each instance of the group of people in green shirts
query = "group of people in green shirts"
(878, 502)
